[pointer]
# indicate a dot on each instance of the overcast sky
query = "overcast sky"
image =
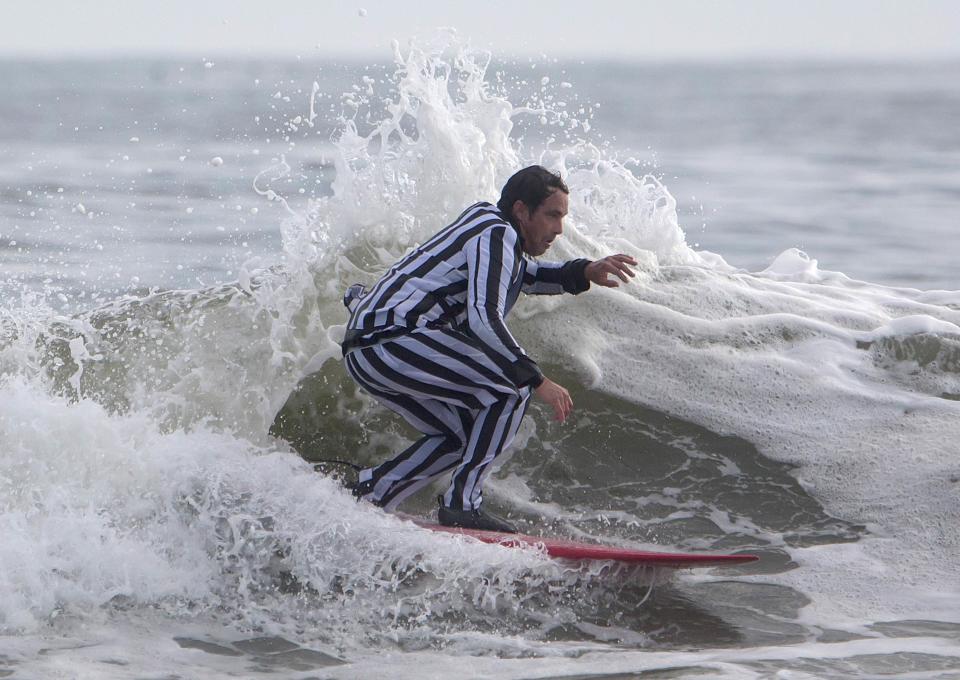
(644, 29)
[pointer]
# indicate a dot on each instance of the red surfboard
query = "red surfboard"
(574, 550)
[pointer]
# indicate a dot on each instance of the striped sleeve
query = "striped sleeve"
(491, 262)
(553, 278)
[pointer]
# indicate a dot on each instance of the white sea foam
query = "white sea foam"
(99, 508)
(779, 365)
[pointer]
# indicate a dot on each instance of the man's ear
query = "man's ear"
(520, 211)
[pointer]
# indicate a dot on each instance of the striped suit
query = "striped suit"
(430, 342)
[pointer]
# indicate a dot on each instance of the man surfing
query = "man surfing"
(429, 342)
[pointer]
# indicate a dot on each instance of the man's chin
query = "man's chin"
(532, 252)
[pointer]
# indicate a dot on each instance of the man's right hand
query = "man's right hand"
(557, 396)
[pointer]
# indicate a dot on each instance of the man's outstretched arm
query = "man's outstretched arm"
(575, 276)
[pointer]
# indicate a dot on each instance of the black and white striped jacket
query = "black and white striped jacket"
(466, 278)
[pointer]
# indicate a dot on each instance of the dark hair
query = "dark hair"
(532, 185)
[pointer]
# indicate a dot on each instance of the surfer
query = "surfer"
(430, 343)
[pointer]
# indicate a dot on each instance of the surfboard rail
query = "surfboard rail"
(560, 548)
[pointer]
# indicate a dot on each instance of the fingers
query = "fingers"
(623, 271)
(558, 397)
(615, 265)
(562, 407)
(622, 262)
(620, 257)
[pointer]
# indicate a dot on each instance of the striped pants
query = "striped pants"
(449, 389)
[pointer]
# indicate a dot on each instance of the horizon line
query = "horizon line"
(381, 56)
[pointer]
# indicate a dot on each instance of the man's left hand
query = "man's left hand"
(599, 271)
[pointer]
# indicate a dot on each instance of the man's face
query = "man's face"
(544, 224)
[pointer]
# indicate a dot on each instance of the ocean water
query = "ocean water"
(782, 377)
